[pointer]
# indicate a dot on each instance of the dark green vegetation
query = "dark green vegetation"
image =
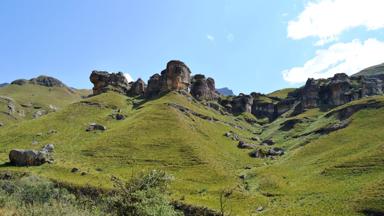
(325, 171)
(144, 195)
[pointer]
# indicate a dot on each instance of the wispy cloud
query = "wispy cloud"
(346, 58)
(230, 37)
(210, 37)
(327, 19)
(128, 77)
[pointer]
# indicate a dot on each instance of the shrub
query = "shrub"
(144, 195)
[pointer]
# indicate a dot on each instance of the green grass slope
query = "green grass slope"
(340, 173)
(28, 99)
(154, 135)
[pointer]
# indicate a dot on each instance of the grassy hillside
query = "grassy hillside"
(340, 173)
(29, 99)
(374, 70)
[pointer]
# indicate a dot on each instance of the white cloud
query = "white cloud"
(128, 77)
(327, 19)
(346, 58)
(210, 37)
(230, 37)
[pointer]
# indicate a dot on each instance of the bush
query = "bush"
(144, 195)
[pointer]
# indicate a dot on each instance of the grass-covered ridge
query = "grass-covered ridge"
(338, 173)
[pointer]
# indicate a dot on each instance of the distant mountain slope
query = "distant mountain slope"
(225, 91)
(374, 70)
(3, 84)
(32, 99)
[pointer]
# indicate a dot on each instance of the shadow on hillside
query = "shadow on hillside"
(143, 100)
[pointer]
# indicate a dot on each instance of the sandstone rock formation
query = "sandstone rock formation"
(137, 88)
(202, 88)
(176, 76)
(154, 86)
(104, 81)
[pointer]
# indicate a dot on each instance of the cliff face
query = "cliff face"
(104, 81)
(202, 88)
(176, 76)
(320, 93)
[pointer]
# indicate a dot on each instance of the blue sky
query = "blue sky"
(247, 45)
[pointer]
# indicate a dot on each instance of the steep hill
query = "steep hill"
(315, 150)
(28, 101)
(186, 138)
(371, 71)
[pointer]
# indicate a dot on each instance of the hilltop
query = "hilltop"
(314, 150)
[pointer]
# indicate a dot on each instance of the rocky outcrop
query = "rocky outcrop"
(202, 88)
(241, 103)
(19, 157)
(104, 81)
(137, 88)
(335, 91)
(154, 86)
(40, 80)
(176, 76)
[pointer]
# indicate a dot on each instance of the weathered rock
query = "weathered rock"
(176, 76)
(95, 126)
(119, 116)
(268, 142)
(75, 170)
(244, 145)
(202, 88)
(137, 88)
(275, 151)
(39, 113)
(20, 157)
(40, 80)
(49, 148)
(154, 86)
(104, 81)
(1, 124)
(242, 103)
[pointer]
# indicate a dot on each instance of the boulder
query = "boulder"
(275, 151)
(104, 81)
(244, 145)
(176, 76)
(39, 113)
(267, 142)
(119, 116)
(95, 126)
(20, 157)
(202, 88)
